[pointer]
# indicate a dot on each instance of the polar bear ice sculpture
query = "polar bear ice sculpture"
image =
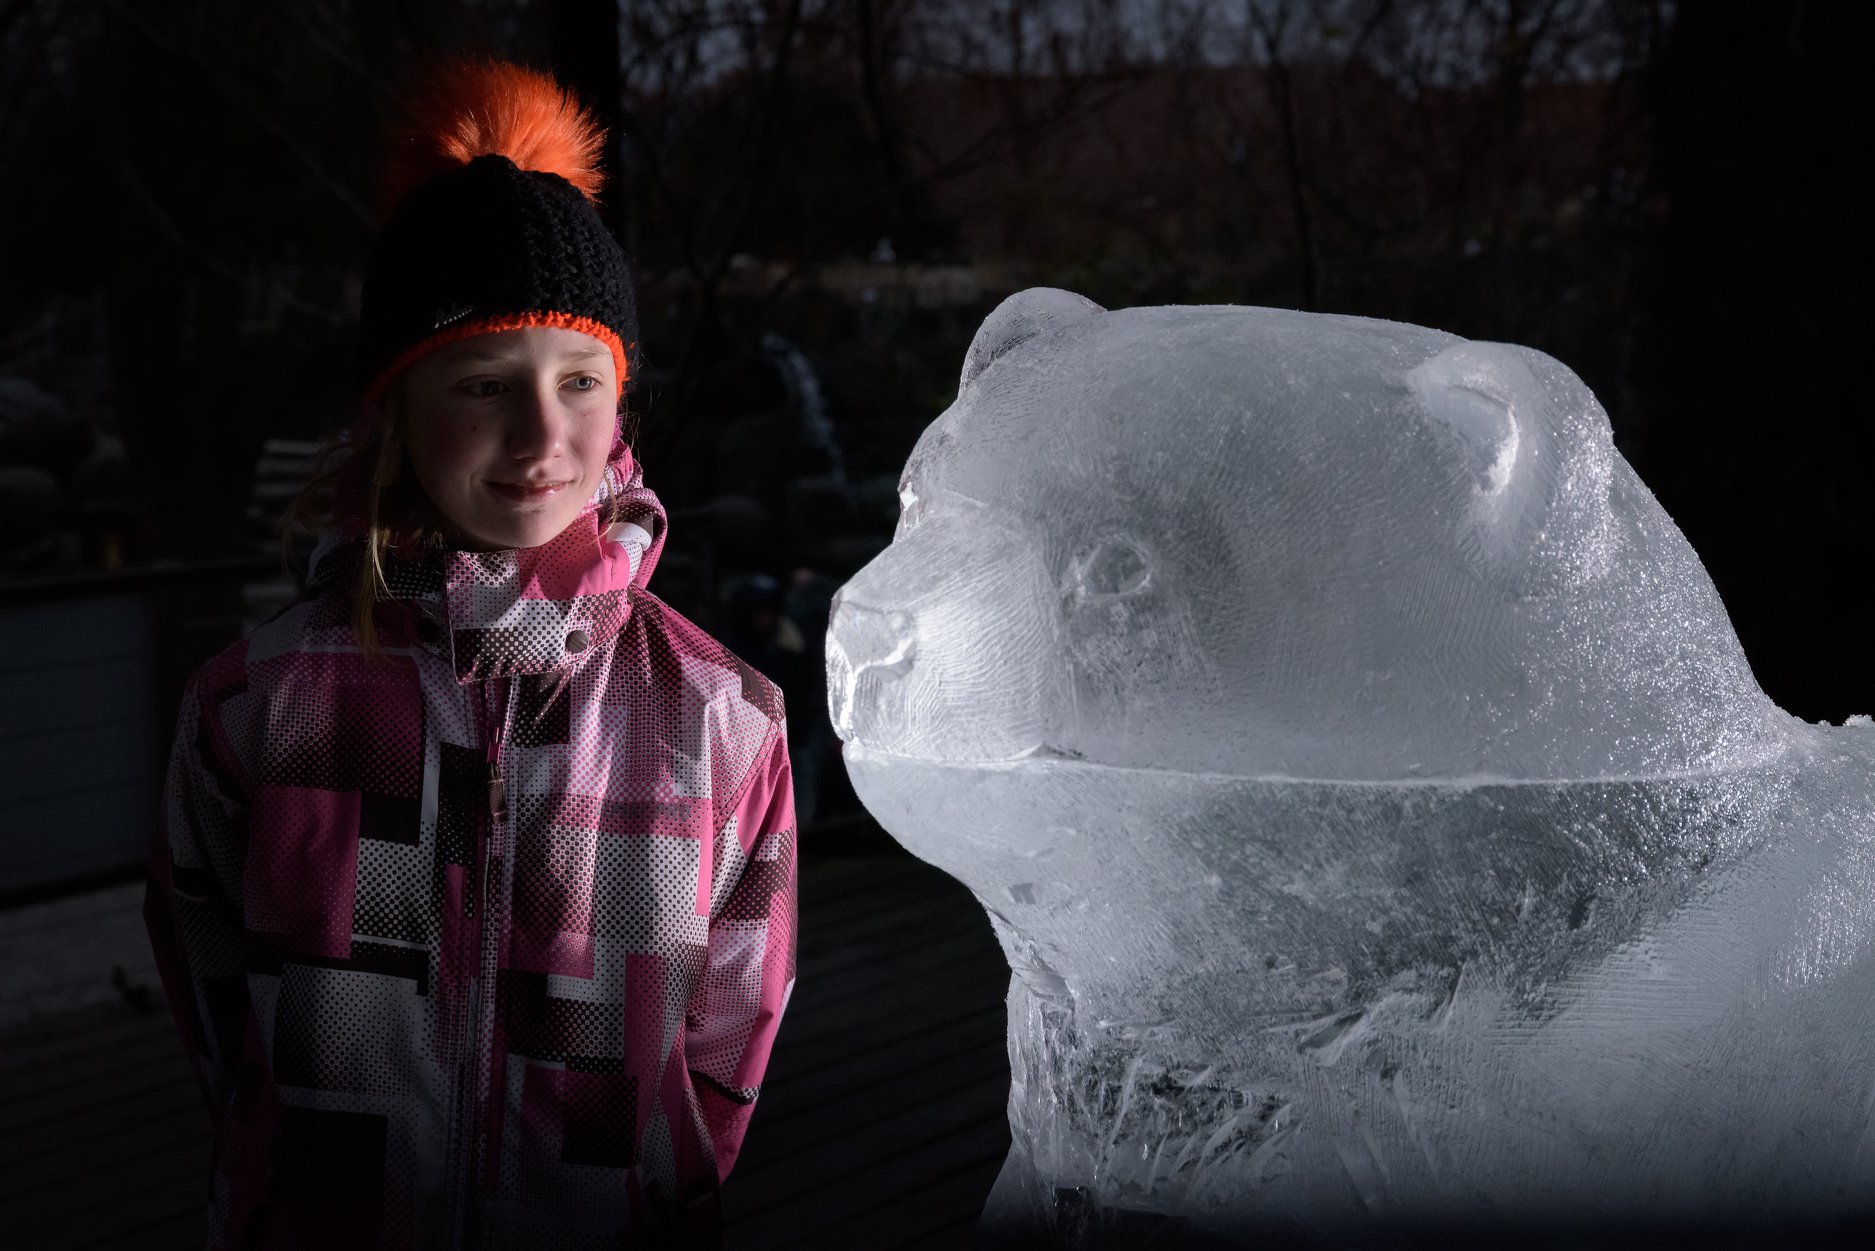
(1366, 786)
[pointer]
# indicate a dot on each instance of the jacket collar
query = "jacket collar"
(526, 610)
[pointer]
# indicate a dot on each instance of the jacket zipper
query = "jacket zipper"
(473, 1070)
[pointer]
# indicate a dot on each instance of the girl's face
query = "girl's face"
(508, 432)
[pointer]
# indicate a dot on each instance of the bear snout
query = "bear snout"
(860, 639)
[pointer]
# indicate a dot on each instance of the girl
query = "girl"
(474, 893)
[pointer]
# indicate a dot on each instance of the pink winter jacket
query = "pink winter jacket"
(484, 945)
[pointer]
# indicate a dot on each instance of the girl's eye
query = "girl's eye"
(585, 382)
(483, 388)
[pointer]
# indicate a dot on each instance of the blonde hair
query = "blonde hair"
(367, 474)
(365, 477)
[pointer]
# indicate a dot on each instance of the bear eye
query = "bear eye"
(1114, 566)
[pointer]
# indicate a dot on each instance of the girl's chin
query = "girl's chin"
(514, 532)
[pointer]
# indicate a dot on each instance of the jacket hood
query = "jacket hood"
(523, 610)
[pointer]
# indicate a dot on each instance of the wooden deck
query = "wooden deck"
(881, 1122)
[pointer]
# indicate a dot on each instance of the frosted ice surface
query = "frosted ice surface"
(1366, 786)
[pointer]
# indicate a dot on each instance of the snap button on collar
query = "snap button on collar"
(577, 641)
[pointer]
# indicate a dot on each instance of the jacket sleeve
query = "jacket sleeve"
(192, 905)
(749, 972)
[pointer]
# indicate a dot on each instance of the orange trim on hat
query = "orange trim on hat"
(492, 325)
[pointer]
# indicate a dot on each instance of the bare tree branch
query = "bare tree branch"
(289, 142)
(1282, 99)
(203, 258)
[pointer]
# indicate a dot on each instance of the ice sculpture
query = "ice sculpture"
(1366, 785)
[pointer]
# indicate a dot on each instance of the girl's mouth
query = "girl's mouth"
(521, 493)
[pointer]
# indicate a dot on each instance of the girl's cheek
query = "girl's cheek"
(595, 438)
(461, 447)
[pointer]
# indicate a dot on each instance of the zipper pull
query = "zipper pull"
(497, 793)
(497, 809)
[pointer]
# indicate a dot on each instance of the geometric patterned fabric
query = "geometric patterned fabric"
(485, 943)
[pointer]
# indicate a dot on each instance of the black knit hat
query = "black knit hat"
(493, 227)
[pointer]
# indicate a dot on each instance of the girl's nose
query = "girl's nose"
(537, 425)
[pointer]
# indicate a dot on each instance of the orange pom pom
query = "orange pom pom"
(475, 108)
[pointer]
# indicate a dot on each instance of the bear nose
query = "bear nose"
(862, 638)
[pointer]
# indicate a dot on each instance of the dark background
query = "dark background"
(823, 199)
(1663, 196)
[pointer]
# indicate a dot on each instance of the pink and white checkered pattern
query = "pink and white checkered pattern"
(433, 1009)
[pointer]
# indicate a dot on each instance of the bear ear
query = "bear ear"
(1538, 454)
(1017, 320)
